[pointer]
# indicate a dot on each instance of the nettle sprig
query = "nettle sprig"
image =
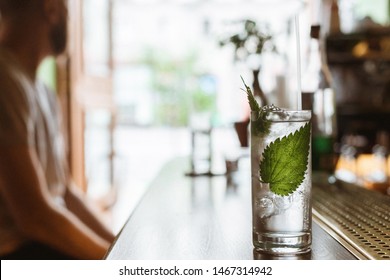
(260, 125)
(255, 107)
(284, 161)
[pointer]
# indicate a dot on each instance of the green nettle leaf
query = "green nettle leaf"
(285, 161)
(260, 125)
(251, 98)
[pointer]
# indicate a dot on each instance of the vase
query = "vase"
(257, 90)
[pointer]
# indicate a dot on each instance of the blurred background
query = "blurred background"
(144, 80)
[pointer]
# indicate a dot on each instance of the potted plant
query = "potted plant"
(249, 45)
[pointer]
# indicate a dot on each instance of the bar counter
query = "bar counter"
(202, 218)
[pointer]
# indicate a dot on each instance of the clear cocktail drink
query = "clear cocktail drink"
(281, 180)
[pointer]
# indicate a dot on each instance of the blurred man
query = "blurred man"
(41, 214)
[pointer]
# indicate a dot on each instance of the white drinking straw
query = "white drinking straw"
(299, 89)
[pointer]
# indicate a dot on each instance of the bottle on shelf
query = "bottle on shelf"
(334, 20)
(323, 107)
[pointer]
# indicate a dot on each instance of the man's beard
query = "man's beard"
(58, 37)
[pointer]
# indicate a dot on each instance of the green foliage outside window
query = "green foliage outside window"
(47, 73)
(178, 87)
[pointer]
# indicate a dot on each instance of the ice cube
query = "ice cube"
(277, 116)
(265, 207)
(270, 108)
(283, 202)
(273, 113)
